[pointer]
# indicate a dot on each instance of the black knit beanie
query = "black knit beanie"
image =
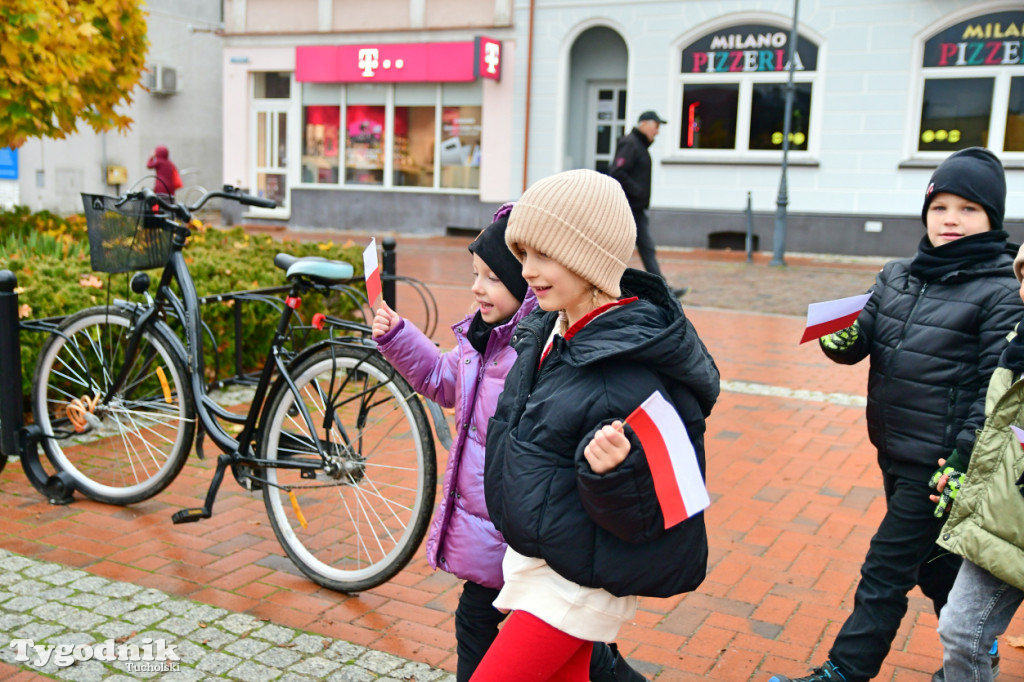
(974, 174)
(491, 248)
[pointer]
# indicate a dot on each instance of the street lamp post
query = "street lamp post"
(779, 241)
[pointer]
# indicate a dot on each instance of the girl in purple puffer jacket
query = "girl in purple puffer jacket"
(462, 539)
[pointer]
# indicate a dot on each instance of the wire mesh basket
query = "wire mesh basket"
(124, 237)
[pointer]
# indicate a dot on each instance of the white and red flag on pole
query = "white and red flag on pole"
(831, 316)
(673, 461)
(1019, 432)
(371, 271)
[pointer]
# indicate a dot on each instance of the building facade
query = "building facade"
(179, 110)
(423, 115)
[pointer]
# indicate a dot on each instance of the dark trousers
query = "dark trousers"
(645, 243)
(476, 627)
(902, 554)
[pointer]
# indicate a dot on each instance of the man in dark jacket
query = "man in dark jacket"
(632, 168)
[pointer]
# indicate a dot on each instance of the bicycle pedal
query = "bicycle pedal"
(190, 515)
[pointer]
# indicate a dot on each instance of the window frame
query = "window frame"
(388, 151)
(1001, 76)
(742, 154)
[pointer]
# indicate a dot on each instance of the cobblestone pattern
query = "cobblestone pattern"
(51, 604)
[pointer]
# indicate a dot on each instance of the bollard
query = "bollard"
(750, 231)
(10, 365)
(387, 280)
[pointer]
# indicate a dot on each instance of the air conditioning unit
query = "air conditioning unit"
(160, 79)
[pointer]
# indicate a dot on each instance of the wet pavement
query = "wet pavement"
(795, 493)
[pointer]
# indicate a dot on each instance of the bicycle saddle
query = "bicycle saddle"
(315, 268)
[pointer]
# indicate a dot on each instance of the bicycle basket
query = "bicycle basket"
(124, 237)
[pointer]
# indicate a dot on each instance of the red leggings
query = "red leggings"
(527, 648)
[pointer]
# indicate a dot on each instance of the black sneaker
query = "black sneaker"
(826, 673)
(680, 292)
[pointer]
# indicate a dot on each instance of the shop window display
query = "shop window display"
(364, 148)
(733, 84)
(414, 147)
(320, 142)
(460, 147)
(970, 69)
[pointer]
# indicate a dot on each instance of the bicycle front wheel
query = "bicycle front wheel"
(352, 519)
(119, 445)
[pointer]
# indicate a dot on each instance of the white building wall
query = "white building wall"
(52, 173)
(868, 61)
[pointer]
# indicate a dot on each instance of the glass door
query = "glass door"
(271, 140)
(606, 122)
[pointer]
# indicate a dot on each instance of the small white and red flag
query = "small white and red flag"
(371, 271)
(831, 316)
(1019, 432)
(673, 461)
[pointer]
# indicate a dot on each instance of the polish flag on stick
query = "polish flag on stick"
(673, 461)
(831, 316)
(1019, 433)
(371, 271)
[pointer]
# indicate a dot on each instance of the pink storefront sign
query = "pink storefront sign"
(399, 62)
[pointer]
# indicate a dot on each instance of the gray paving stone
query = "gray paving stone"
(41, 569)
(179, 626)
(293, 677)
(9, 578)
(115, 607)
(145, 617)
(15, 563)
(417, 671)
(311, 644)
(254, 672)
(214, 638)
(344, 651)
(379, 662)
(317, 666)
(190, 653)
(204, 613)
(239, 623)
(90, 583)
(61, 594)
(36, 631)
(149, 597)
(10, 621)
(121, 590)
(351, 673)
(247, 647)
(275, 634)
(84, 671)
(115, 629)
(279, 657)
(65, 577)
(217, 663)
(23, 603)
(27, 587)
(82, 600)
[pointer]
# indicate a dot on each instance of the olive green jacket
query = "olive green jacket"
(986, 525)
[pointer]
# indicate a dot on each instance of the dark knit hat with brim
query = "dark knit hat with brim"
(490, 246)
(975, 174)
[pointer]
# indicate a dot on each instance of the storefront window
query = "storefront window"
(365, 134)
(733, 83)
(415, 117)
(459, 148)
(1015, 117)
(968, 69)
(321, 129)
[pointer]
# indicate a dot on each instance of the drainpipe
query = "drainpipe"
(529, 83)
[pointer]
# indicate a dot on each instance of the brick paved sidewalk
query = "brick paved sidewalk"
(796, 496)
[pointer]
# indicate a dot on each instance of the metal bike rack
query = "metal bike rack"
(15, 438)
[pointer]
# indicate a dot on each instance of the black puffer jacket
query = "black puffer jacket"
(933, 348)
(632, 168)
(599, 530)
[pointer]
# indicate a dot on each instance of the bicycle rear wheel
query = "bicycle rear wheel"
(354, 521)
(123, 446)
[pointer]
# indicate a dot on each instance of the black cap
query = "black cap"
(975, 174)
(491, 247)
(650, 116)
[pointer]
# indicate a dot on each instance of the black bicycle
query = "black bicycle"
(336, 440)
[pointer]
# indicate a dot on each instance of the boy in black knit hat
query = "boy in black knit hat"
(934, 329)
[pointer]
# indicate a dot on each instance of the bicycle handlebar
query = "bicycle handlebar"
(184, 212)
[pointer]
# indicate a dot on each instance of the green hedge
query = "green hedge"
(49, 254)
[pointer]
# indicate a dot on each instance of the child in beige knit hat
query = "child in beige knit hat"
(566, 481)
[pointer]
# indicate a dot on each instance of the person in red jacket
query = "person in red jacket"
(167, 179)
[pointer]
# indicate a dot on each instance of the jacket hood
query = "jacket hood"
(659, 335)
(160, 152)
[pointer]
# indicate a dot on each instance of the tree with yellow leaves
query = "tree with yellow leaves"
(65, 61)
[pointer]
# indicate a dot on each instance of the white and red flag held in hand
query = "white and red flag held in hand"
(371, 271)
(831, 316)
(673, 461)
(1019, 432)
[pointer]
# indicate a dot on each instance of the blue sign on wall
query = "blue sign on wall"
(8, 164)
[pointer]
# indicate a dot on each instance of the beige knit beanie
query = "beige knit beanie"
(581, 219)
(1018, 264)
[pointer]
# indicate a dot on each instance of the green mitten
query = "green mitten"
(953, 468)
(842, 339)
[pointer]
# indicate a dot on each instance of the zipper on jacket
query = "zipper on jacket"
(950, 418)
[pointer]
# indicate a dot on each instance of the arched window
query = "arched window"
(973, 86)
(733, 92)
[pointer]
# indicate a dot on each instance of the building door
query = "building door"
(271, 141)
(606, 122)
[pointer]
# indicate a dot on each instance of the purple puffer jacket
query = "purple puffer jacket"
(462, 539)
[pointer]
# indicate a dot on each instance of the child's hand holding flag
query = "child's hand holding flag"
(831, 316)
